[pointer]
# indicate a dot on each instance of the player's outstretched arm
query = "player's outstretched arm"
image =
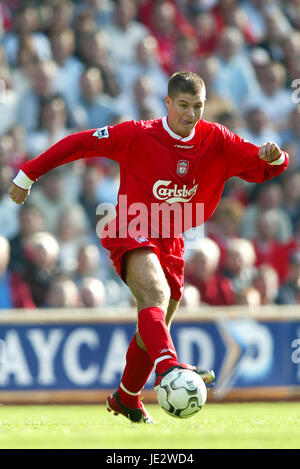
(111, 142)
(68, 149)
(248, 161)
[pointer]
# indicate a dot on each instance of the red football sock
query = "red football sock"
(137, 370)
(156, 337)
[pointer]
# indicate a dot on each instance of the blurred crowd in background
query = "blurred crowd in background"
(66, 66)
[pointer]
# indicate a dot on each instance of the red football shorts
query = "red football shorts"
(169, 252)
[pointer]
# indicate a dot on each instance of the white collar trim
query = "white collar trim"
(176, 136)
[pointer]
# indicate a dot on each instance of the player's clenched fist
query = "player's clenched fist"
(17, 194)
(269, 152)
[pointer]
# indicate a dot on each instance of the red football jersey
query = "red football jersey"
(159, 167)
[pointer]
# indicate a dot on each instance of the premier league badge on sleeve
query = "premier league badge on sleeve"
(182, 167)
(101, 133)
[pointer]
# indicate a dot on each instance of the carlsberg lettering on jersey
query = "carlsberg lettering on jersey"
(162, 191)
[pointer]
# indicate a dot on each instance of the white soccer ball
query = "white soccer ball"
(181, 393)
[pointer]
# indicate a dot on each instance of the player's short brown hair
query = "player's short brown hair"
(185, 82)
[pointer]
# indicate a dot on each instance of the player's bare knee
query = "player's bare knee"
(156, 295)
(161, 295)
(146, 279)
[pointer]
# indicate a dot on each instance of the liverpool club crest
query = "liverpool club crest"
(182, 167)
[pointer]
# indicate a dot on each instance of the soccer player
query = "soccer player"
(179, 160)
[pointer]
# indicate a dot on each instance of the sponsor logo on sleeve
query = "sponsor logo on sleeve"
(101, 133)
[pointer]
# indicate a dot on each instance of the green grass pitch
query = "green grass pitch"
(251, 425)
